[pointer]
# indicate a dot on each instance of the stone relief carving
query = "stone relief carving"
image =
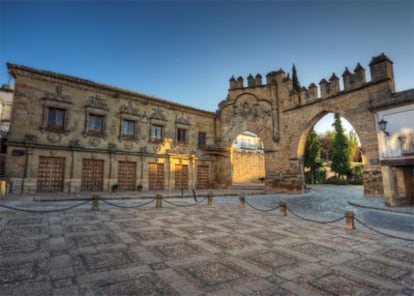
(158, 114)
(182, 120)
(111, 146)
(94, 141)
(128, 109)
(98, 102)
(247, 111)
(53, 137)
(157, 148)
(128, 145)
(57, 96)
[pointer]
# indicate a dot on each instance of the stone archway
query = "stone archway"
(282, 118)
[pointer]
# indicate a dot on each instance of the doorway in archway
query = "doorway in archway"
(248, 162)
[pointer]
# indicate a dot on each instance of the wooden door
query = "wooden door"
(156, 176)
(127, 175)
(92, 175)
(51, 174)
(202, 177)
(181, 176)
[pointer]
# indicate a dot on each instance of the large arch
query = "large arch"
(283, 118)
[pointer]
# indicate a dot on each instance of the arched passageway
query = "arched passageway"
(247, 158)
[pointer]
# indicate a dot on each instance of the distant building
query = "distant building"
(248, 141)
(6, 102)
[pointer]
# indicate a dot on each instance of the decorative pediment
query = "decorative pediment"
(249, 109)
(182, 120)
(158, 114)
(98, 102)
(125, 109)
(57, 95)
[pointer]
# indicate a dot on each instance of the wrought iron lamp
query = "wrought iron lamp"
(382, 124)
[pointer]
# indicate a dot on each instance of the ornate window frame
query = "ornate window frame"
(64, 106)
(96, 106)
(129, 114)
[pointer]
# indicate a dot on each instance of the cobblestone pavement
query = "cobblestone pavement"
(199, 250)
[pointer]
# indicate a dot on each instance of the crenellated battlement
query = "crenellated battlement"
(380, 69)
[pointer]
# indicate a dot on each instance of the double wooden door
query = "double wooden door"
(92, 175)
(127, 175)
(51, 174)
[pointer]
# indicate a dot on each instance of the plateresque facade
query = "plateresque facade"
(70, 134)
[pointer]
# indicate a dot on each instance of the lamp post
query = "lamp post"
(382, 124)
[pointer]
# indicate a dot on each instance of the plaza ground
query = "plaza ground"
(186, 248)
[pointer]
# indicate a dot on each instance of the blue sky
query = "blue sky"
(186, 51)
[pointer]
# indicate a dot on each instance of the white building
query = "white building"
(395, 130)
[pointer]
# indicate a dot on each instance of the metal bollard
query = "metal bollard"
(242, 200)
(158, 201)
(349, 219)
(282, 208)
(95, 202)
(209, 199)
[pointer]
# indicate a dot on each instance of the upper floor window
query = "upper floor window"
(56, 119)
(201, 139)
(128, 128)
(181, 136)
(95, 124)
(156, 132)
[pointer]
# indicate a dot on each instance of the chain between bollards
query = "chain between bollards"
(95, 202)
(158, 201)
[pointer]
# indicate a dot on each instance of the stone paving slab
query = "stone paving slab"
(200, 250)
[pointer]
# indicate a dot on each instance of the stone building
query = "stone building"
(396, 146)
(70, 134)
(6, 101)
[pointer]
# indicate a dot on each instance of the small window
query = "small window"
(181, 136)
(128, 128)
(96, 124)
(56, 119)
(201, 139)
(156, 132)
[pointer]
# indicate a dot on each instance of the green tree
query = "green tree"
(352, 144)
(313, 155)
(295, 79)
(341, 164)
(326, 141)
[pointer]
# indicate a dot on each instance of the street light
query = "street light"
(382, 124)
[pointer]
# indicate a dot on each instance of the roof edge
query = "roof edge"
(107, 87)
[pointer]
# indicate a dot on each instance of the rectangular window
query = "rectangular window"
(181, 136)
(156, 132)
(96, 124)
(56, 119)
(201, 139)
(128, 128)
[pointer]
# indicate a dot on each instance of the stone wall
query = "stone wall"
(248, 167)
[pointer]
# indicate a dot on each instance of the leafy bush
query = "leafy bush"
(356, 176)
(320, 176)
(336, 181)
